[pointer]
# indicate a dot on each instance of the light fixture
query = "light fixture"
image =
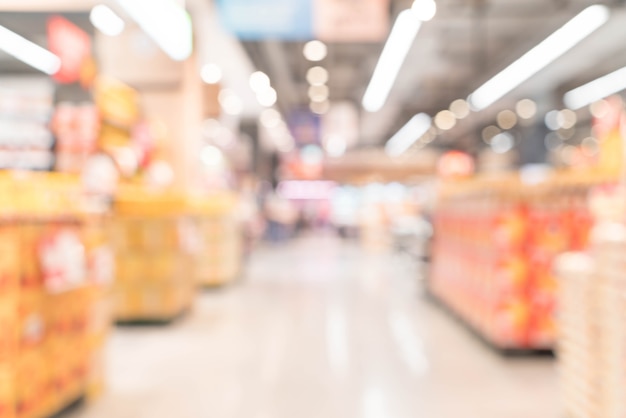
(211, 156)
(28, 52)
(555, 45)
(489, 132)
(106, 20)
(425, 10)
(230, 102)
(408, 134)
(445, 120)
(259, 81)
(596, 90)
(317, 76)
(506, 119)
(335, 146)
(267, 97)
(567, 119)
(318, 93)
(315, 51)
(600, 109)
(552, 120)
(526, 109)
(390, 62)
(166, 22)
(502, 143)
(270, 118)
(320, 108)
(211, 74)
(460, 108)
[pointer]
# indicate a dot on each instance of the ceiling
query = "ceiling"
(464, 45)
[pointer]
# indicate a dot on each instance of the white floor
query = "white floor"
(319, 329)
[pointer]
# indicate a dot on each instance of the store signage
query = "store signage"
(261, 19)
(351, 20)
(305, 127)
(328, 20)
(73, 46)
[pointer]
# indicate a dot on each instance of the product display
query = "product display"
(154, 281)
(25, 111)
(216, 237)
(592, 338)
(76, 129)
(56, 269)
(495, 242)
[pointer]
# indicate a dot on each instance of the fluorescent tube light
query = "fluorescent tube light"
(106, 21)
(408, 134)
(166, 22)
(390, 62)
(561, 41)
(29, 52)
(596, 90)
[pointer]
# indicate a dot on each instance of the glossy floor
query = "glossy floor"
(319, 329)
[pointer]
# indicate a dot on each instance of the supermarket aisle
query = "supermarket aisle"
(319, 329)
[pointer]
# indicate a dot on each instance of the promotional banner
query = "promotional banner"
(328, 20)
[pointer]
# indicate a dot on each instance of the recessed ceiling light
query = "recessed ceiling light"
(315, 51)
(211, 74)
(317, 76)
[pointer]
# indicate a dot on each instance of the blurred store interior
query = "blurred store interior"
(312, 208)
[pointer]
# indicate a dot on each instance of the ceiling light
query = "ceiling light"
(445, 120)
(600, 109)
(336, 146)
(561, 41)
(270, 118)
(408, 135)
(526, 109)
(230, 102)
(106, 21)
(211, 74)
(502, 143)
(507, 119)
(320, 108)
(567, 119)
(166, 22)
(390, 62)
(317, 76)
(315, 51)
(318, 93)
(425, 10)
(460, 108)
(259, 81)
(29, 52)
(489, 132)
(596, 90)
(267, 97)
(552, 120)
(211, 156)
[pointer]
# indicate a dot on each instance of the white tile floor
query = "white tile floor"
(319, 329)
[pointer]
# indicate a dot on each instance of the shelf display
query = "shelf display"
(76, 128)
(153, 257)
(218, 240)
(25, 109)
(592, 338)
(56, 270)
(495, 243)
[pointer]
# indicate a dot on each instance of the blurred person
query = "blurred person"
(281, 216)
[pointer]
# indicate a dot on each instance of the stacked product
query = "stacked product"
(153, 255)
(25, 109)
(495, 243)
(479, 262)
(218, 239)
(55, 269)
(592, 341)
